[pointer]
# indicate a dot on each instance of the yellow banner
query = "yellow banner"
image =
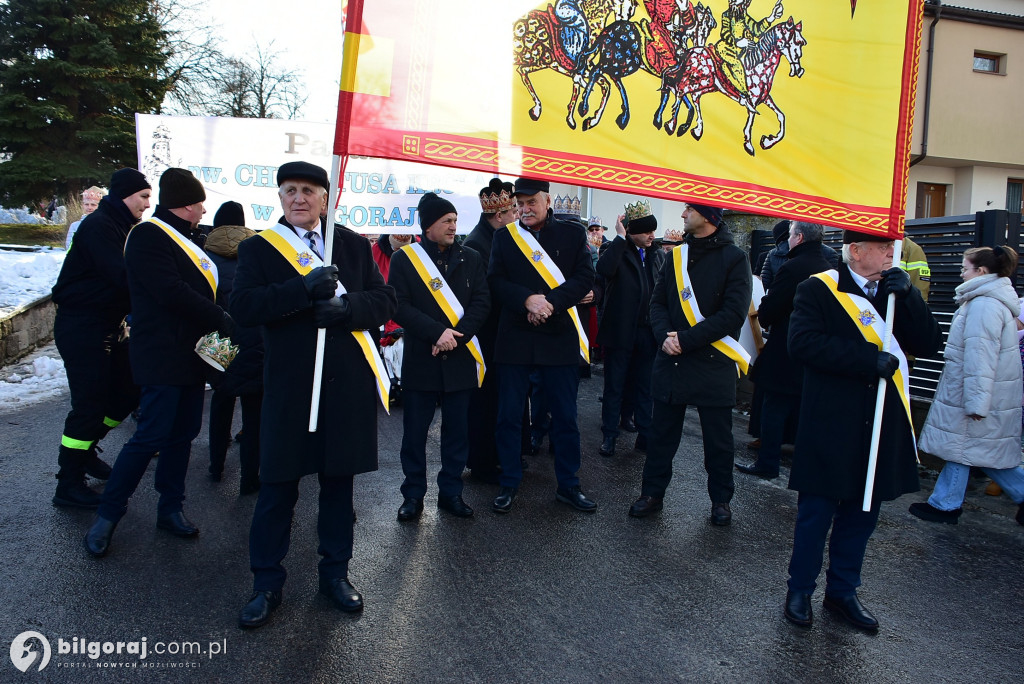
(799, 109)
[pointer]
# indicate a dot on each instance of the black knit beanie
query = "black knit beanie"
(229, 214)
(431, 208)
(126, 182)
(179, 188)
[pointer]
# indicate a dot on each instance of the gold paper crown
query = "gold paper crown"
(492, 203)
(567, 205)
(637, 210)
(215, 351)
(673, 235)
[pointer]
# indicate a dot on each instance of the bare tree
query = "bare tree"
(194, 59)
(258, 88)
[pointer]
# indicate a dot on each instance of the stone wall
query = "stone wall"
(26, 329)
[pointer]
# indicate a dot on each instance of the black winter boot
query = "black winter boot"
(71, 489)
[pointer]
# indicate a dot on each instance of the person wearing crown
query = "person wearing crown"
(282, 285)
(699, 303)
(628, 266)
(442, 302)
(497, 209)
(173, 288)
(835, 332)
(539, 271)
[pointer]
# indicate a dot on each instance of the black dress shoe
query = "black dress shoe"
(646, 505)
(73, 493)
(503, 502)
(97, 539)
(798, 609)
(410, 509)
(851, 610)
(756, 469)
(575, 497)
(628, 425)
(641, 444)
(925, 511)
(95, 466)
(256, 612)
(248, 485)
(342, 594)
(721, 514)
(177, 524)
(454, 505)
(607, 447)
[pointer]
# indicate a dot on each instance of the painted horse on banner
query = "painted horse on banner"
(653, 45)
(555, 38)
(702, 73)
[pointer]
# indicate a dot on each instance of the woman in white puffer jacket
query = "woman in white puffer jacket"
(975, 418)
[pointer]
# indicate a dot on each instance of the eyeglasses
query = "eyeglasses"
(966, 270)
(595, 229)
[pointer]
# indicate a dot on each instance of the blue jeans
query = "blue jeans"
(951, 486)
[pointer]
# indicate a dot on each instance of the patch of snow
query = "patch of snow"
(38, 377)
(27, 276)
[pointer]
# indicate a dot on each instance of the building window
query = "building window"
(1015, 196)
(931, 200)
(988, 63)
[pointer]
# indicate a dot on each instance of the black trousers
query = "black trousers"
(627, 384)
(417, 413)
(667, 430)
(271, 530)
(222, 411)
(483, 417)
(99, 376)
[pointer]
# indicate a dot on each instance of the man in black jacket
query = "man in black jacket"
(173, 287)
(435, 281)
(628, 265)
(779, 377)
(498, 208)
(834, 332)
(538, 273)
(92, 301)
(699, 356)
(282, 286)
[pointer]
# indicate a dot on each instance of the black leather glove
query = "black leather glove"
(321, 282)
(886, 365)
(328, 313)
(897, 281)
(227, 326)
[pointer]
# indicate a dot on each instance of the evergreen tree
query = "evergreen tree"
(73, 73)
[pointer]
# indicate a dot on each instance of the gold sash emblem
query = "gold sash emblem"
(537, 255)
(304, 259)
(435, 284)
(866, 317)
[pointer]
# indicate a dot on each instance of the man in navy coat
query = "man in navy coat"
(537, 333)
(271, 291)
(173, 290)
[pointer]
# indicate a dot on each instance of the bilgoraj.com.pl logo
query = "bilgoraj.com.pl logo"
(31, 649)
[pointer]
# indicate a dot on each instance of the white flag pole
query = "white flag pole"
(321, 333)
(876, 427)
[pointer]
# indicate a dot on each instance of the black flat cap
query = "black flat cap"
(531, 186)
(300, 170)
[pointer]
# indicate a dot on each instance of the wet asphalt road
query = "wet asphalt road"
(542, 594)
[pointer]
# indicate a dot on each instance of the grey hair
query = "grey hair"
(846, 254)
(812, 232)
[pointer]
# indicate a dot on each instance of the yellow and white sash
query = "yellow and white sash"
(198, 256)
(872, 327)
(445, 298)
(304, 260)
(688, 301)
(552, 275)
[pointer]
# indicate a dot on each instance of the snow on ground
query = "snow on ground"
(37, 377)
(27, 276)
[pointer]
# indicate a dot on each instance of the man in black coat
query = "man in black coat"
(698, 360)
(498, 209)
(173, 286)
(835, 332)
(628, 267)
(282, 286)
(779, 377)
(539, 331)
(92, 301)
(438, 361)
